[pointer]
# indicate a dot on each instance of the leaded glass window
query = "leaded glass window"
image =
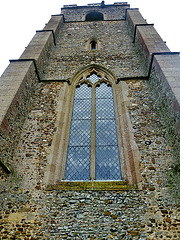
(93, 152)
(107, 153)
(78, 160)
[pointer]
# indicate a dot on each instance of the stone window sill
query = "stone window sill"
(91, 185)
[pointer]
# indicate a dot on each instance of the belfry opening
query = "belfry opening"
(94, 16)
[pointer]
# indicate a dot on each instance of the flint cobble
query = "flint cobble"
(30, 212)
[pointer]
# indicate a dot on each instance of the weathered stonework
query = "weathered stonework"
(17, 84)
(78, 13)
(29, 211)
(19, 106)
(29, 112)
(166, 94)
(71, 54)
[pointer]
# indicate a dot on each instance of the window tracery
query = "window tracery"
(93, 149)
(102, 140)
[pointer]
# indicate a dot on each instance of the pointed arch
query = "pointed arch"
(128, 151)
(99, 69)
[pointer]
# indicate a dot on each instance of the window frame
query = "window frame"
(102, 79)
(89, 45)
(129, 154)
(93, 44)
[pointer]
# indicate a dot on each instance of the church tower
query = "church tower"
(89, 130)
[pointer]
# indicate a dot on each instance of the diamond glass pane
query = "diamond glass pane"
(104, 108)
(78, 159)
(83, 92)
(106, 132)
(103, 91)
(107, 152)
(93, 78)
(80, 134)
(78, 163)
(82, 109)
(107, 163)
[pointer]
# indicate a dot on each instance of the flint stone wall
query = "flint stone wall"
(117, 52)
(78, 13)
(28, 211)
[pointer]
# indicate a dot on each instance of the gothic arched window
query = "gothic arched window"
(93, 151)
(94, 142)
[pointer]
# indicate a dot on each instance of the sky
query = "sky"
(19, 20)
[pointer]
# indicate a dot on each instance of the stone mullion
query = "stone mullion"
(93, 137)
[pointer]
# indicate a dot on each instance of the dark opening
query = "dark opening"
(93, 45)
(94, 16)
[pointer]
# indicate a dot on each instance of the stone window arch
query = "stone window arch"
(93, 152)
(94, 16)
(81, 135)
(93, 44)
